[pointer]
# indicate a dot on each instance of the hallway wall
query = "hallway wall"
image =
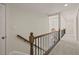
(22, 22)
(68, 21)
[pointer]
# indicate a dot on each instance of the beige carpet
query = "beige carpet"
(66, 47)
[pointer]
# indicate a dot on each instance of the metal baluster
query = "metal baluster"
(56, 35)
(48, 41)
(43, 44)
(38, 46)
(52, 38)
(35, 47)
(46, 45)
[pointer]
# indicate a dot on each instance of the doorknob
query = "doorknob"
(3, 37)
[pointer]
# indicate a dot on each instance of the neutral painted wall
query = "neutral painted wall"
(22, 22)
(68, 21)
(78, 25)
(69, 45)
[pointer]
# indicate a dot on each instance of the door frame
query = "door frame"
(4, 5)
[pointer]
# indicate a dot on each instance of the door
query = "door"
(2, 29)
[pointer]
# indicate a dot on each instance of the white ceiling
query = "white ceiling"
(45, 8)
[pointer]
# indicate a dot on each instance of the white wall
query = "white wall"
(22, 22)
(69, 45)
(68, 21)
(77, 23)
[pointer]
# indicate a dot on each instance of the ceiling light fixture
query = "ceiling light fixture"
(65, 5)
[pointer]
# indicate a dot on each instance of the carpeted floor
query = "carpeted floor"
(66, 47)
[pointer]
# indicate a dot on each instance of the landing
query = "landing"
(65, 47)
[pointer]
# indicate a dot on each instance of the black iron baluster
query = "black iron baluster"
(35, 47)
(43, 44)
(47, 41)
(38, 46)
(52, 38)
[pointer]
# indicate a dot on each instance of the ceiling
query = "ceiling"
(45, 8)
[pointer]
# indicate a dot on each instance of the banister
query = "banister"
(43, 34)
(23, 38)
(29, 42)
(62, 32)
(34, 39)
(31, 39)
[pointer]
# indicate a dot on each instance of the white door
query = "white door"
(2, 29)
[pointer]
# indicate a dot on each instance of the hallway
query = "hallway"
(45, 21)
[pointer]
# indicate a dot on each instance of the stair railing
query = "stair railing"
(45, 41)
(43, 44)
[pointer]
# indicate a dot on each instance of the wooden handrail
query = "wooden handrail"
(23, 38)
(49, 50)
(62, 34)
(29, 42)
(43, 34)
(33, 39)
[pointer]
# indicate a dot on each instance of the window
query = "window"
(54, 22)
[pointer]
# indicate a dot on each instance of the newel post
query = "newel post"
(31, 39)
